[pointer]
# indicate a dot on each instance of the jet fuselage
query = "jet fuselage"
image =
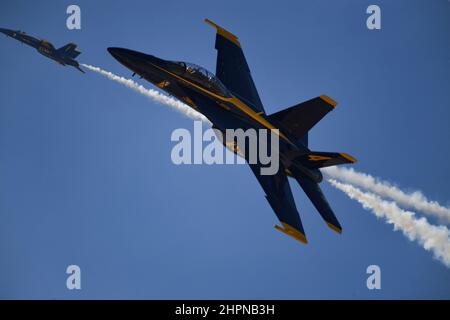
(63, 56)
(201, 90)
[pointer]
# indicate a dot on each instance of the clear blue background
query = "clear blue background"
(86, 176)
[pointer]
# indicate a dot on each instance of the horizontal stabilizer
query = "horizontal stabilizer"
(299, 119)
(316, 160)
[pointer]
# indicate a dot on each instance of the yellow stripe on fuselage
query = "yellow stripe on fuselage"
(233, 100)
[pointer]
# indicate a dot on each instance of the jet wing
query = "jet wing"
(279, 196)
(232, 68)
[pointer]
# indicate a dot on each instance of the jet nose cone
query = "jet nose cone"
(117, 52)
(136, 61)
(5, 31)
(127, 57)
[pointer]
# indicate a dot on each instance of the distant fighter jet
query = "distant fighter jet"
(229, 99)
(65, 55)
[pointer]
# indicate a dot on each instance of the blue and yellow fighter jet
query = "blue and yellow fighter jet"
(229, 99)
(64, 56)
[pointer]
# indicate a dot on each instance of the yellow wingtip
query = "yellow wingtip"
(224, 33)
(211, 23)
(348, 157)
(292, 232)
(334, 228)
(328, 100)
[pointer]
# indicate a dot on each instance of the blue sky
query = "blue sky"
(86, 175)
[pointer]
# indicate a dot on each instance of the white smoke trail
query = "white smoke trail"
(432, 238)
(152, 94)
(415, 200)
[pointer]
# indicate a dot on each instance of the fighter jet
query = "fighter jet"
(229, 99)
(64, 56)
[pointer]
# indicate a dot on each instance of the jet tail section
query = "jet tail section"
(78, 67)
(70, 50)
(299, 119)
(315, 194)
(316, 160)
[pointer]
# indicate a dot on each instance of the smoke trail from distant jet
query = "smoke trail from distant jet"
(152, 94)
(415, 200)
(432, 238)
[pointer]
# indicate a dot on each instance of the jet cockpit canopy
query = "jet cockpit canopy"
(46, 44)
(201, 76)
